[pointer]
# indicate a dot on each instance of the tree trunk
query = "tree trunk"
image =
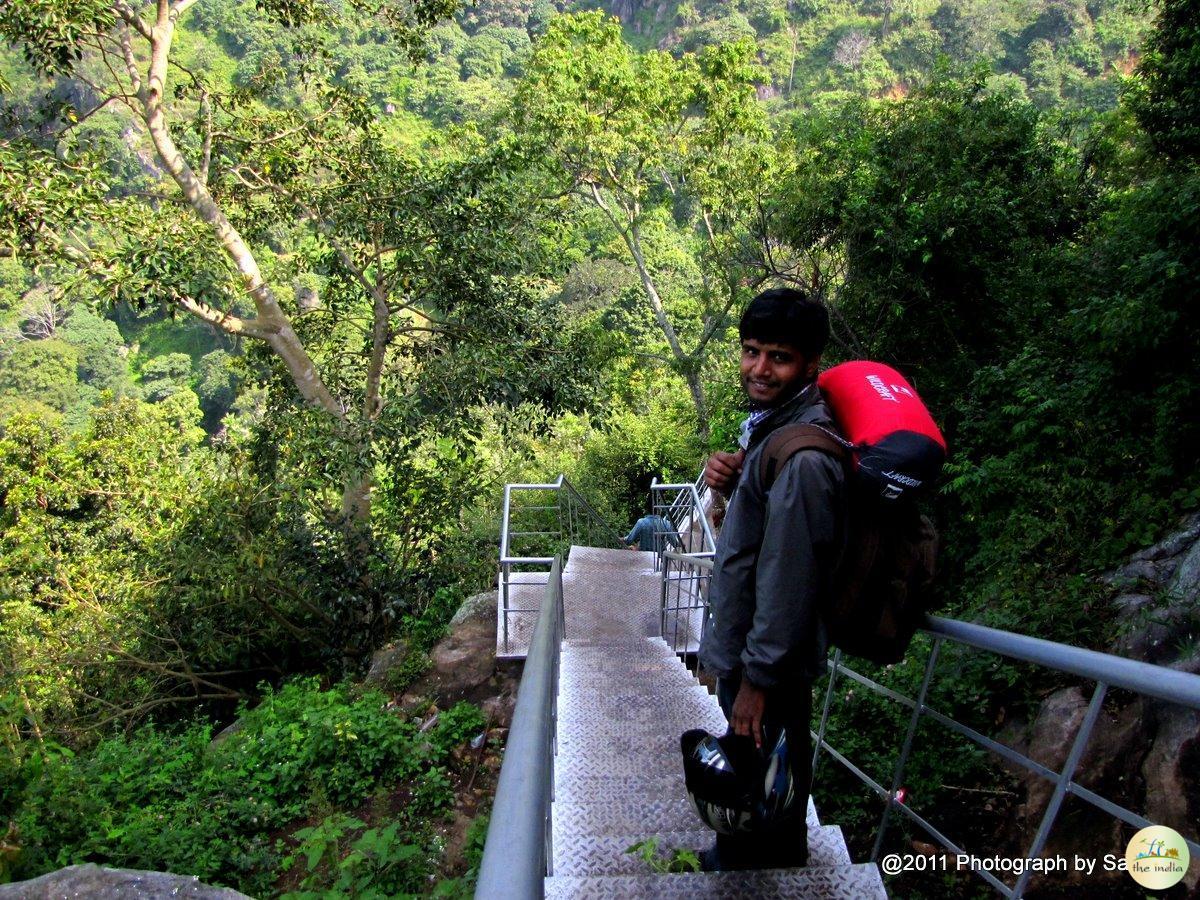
(356, 500)
(271, 319)
(690, 375)
(696, 389)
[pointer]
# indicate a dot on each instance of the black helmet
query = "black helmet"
(735, 787)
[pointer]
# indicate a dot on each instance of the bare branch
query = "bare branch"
(62, 132)
(206, 150)
(131, 66)
(125, 11)
(179, 7)
(227, 322)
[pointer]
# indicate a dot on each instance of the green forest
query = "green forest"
(289, 290)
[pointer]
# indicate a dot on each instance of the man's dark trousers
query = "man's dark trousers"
(786, 846)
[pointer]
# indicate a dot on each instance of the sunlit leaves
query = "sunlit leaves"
(50, 33)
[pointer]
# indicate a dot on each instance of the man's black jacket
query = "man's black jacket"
(776, 558)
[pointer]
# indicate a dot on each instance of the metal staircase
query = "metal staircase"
(624, 698)
(592, 763)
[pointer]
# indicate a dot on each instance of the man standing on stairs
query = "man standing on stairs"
(775, 561)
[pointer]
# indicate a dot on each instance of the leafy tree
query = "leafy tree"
(14, 281)
(165, 375)
(932, 224)
(170, 252)
(45, 371)
(483, 57)
(1166, 96)
(101, 351)
(628, 132)
(216, 384)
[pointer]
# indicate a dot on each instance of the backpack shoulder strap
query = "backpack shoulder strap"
(786, 442)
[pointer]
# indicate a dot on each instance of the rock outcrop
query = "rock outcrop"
(1143, 753)
(100, 883)
(463, 665)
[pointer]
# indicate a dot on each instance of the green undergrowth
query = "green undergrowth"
(324, 792)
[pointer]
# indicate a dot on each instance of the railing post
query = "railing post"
(1061, 784)
(833, 670)
(662, 597)
(505, 579)
(902, 761)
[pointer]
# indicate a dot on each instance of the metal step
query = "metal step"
(642, 722)
(860, 882)
(604, 854)
(621, 701)
(629, 788)
(623, 662)
(626, 814)
(598, 647)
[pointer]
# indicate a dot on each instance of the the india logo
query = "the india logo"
(1157, 857)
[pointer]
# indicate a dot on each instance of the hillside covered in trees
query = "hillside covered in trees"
(290, 289)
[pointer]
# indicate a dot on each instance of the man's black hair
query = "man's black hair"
(787, 316)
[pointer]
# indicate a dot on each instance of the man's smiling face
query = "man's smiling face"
(774, 373)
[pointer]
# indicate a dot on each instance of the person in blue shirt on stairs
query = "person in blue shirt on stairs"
(775, 562)
(651, 532)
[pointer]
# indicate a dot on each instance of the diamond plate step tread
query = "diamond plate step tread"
(617, 701)
(858, 882)
(610, 656)
(626, 744)
(605, 854)
(624, 814)
(640, 677)
(607, 594)
(632, 648)
(629, 788)
(676, 722)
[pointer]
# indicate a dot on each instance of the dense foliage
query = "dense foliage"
(288, 295)
(168, 800)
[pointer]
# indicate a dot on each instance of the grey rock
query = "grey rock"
(1149, 642)
(625, 10)
(478, 606)
(1139, 572)
(227, 732)
(1185, 585)
(499, 710)
(384, 660)
(99, 883)
(1129, 605)
(1173, 545)
(1058, 720)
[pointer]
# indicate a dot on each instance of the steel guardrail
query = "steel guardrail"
(518, 852)
(568, 502)
(1105, 669)
(697, 510)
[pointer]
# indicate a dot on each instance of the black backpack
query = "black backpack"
(882, 589)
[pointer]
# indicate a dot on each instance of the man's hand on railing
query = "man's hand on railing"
(722, 470)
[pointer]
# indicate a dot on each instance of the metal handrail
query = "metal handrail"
(687, 507)
(518, 853)
(569, 504)
(1105, 669)
(686, 603)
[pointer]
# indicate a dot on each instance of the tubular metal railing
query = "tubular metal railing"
(683, 604)
(547, 527)
(1105, 670)
(683, 508)
(518, 853)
